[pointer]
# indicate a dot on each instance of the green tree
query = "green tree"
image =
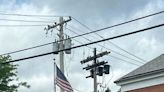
(9, 82)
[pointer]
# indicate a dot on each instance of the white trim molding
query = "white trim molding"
(143, 82)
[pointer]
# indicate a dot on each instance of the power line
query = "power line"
(31, 15)
(119, 25)
(74, 36)
(26, 20)
(106, 47)
(123, 60)
(64, 40)
(111, 55)
(110, 49)
(123, 22)
(111, 38)
(26, 49)
(22, 25)
(113, 43)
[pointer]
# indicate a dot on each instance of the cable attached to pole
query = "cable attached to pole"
(111, 38)
(73, 36)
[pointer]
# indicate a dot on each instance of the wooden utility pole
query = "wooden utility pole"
(94, 65)
(61, 47)
(95, 76)
(61, 39)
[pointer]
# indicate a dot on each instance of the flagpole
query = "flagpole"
(54, 76)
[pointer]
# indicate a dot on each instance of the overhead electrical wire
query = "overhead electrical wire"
(16, 20)
(111, 49)
(153, 14)
(111, 55)
(111, 38)
(60, 41)
(36, 15)
(107, 48)
(122, 22)
(110, 41)
(73, 36)
(118, 24)
(28, 15)
(31, 15)
(23, 25)
(25, 49)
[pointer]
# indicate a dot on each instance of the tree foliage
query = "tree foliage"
(9, 82)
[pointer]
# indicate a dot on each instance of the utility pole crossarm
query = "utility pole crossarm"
(95, 65)
(92, 57)
(61, 23)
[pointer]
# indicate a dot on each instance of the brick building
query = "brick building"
(147, 78)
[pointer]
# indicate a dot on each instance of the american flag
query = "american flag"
(62, 81)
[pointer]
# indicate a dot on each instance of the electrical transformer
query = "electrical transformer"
(55, 47)
(67, 45)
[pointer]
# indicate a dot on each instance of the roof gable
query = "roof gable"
(154, 65)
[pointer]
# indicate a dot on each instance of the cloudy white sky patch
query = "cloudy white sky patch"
(96, 14)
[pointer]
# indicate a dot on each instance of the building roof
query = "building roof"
(154, 66)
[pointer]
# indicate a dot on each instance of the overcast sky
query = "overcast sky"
(96, 14)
